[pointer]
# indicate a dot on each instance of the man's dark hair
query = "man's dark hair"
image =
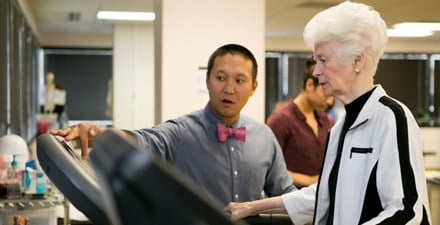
(308, 72)
(233, 49)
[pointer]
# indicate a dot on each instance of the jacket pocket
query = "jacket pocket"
(360, 150)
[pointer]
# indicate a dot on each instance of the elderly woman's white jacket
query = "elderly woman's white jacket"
(381, 162)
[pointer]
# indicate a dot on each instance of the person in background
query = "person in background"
(335, 109)
(301, 128)
(230, 155)
(373, 171)
(310, 64)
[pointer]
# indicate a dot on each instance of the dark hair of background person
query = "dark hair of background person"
(308, 72)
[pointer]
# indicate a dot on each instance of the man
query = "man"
(301, 128)
(231, 156)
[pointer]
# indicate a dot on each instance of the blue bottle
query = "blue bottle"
(40, 184)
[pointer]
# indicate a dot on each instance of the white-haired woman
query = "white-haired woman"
(373, 170)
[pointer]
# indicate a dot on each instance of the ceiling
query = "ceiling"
(284, 18)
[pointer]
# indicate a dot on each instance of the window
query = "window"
(413, 79)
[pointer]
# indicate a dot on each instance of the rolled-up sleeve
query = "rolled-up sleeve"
(300, 205)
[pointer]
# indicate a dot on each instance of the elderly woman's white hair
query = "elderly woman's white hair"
(355, 26)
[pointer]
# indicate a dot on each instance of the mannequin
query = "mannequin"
(54, 115)
(49, 103)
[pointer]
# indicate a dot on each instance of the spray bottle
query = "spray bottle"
(13, 177)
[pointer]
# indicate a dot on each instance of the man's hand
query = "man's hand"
(85, 132)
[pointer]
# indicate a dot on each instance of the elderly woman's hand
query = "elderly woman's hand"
(272, 205)
(239, 210)
(85, 132)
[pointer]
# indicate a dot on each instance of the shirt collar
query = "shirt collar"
(214, 120)
(295, 109)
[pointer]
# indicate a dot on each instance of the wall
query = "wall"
(190, 31)
(431, 146)
(394, 45)
(187, 43)
(76, 40)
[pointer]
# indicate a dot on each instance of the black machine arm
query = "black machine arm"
(128, 185)
(72, 176)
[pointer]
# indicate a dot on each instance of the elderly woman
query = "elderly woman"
(373, 170)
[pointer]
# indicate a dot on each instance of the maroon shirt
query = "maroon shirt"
(303, 150)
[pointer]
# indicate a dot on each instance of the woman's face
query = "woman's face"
(335, 78)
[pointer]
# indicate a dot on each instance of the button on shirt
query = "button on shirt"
(232, 171)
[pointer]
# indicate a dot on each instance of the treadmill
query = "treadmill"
(124, 185)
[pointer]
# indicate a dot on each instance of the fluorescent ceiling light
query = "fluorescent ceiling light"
(418, 26)
(408, 33)
(128, 16)
(410, 29)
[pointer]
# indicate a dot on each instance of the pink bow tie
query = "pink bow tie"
(224, 132)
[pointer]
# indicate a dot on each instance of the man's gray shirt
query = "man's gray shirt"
(232, 171)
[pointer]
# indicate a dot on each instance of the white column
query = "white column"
(186, 33)
(133, 76)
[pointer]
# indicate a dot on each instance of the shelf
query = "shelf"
(29, 204)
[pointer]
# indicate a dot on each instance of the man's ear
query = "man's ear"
(207, 81)
(309, 84)
(254, 87)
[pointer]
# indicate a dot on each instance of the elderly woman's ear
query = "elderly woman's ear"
(359, 62)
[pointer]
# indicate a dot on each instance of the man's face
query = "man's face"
(317, 98)
(230, 85)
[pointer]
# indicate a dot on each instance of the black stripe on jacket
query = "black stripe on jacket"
(408, 178)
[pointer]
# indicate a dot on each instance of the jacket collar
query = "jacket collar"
(367, 110)
(369, 107)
